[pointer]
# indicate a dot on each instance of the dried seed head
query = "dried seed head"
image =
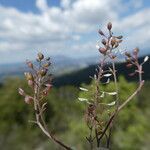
(28, 99)
(28, 76)
(102, 50)
(101, 32)
(104, 42)
(109, 26)
(40, 56)
(21, 92)
(30, 65)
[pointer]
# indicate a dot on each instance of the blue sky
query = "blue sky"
(69, 27)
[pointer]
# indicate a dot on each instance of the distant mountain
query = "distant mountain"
(60, 65)
(69, 71)
(83, 75)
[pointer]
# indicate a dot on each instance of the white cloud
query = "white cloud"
(60, 29)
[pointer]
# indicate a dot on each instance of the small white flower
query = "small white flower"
(82, 99)
(83, 89)
(103, 94)
(112, 93)
(146, 59)
(107, 75)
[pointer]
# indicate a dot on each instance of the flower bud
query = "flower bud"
(28, 76)
(103, 41)
(21, 92)
(100, 32)
(102, 50)
(40, 56)
(109, 26)
(28, 99)
(30, 65)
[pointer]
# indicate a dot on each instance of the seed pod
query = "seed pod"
(48, 58)
(30, 65)
(40, 56)
(113, 56)
(21, 92)
(127, 54)
(100, 32)
(116, 44)
(119, 37)
(43, 72)
(102, 50)
(28, 99)
(30, 83)
(129, 65)
(135, 51)
(131, 74)
(28, 76)
(109, 26)
(128, 60)
(103, 41)
(47, 64)
(113, 41)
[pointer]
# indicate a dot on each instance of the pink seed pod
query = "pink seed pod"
(113, 41)
(30, 65)
(102, 50)
(109, 26)
(104, 42)
(21, 92)
(28, 99)
(30, 83)
(135, 51)
(129, 65)
(119, 37)
(101, 32)
(132, 74)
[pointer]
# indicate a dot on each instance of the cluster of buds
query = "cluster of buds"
(38, 77)
(109, 42)
(132, 61)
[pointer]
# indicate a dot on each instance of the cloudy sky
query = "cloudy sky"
(69, 27)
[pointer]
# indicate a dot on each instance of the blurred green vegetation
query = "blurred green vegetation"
(65, 118)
